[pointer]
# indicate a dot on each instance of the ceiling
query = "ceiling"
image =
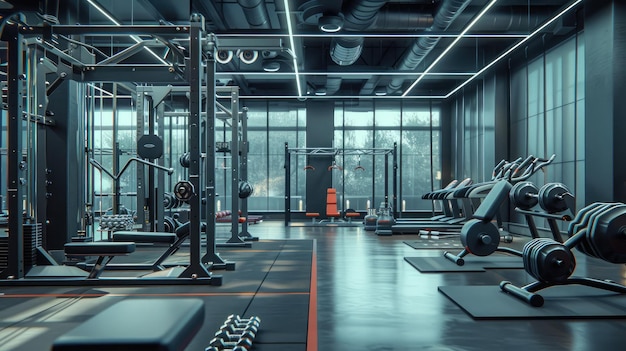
(384, 49)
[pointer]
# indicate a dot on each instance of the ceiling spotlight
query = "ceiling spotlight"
(320, 92)
(271, 66)
(248, 56)
(330, 24)
(380, 91)
(224, 56)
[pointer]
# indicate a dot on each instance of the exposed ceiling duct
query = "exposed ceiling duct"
(359, 16)
(256, 13)
(446, 14)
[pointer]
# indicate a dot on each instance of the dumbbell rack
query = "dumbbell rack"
(235, 334)
(598, 230)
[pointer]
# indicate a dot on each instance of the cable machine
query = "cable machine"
(334, 153)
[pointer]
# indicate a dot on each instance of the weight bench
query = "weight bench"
(104, 250)
(178, 237)
(137, 325)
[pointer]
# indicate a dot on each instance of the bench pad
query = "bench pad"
(144, 237)
(138, 325)
(99, 248)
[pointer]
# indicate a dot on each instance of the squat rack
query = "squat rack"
(334, 152)
(21, 37)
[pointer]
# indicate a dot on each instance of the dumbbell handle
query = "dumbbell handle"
(457, 259)
(530, 298)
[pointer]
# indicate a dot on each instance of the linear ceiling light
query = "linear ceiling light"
(514, 47)
(292, 46)
(135, 38)
(456, 40)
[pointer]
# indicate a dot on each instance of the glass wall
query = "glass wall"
(415, 130)
(413, 126)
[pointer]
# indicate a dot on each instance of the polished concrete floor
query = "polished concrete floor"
(369, 298)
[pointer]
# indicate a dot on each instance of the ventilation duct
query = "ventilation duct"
(359, 16)
(256, 13)
(446, 14)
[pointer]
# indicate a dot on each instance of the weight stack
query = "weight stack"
(32, 240)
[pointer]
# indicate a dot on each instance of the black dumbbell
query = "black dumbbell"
(221, 344)
(233, 329)
(239, 322)
(225, 334)
(236, 348)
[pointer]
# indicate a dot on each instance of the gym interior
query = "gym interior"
(312, 175)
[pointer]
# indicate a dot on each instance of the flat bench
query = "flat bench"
(139, 325)
(145, 237)
(104, 250)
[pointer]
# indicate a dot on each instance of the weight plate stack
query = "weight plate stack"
(581, 222)
(607, 234)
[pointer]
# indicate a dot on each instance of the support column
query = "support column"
(319, 133)
(605, 106)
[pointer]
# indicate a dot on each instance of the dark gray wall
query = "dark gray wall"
(605, 108)
(319, 133)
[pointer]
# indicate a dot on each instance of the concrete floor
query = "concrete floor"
(369, 298)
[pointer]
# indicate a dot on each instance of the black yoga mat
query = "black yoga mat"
(440, 264)
(567, 302)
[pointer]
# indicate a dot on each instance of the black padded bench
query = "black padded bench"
(138, 325)
(104, 250)
(145, 237)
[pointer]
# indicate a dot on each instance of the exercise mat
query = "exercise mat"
(440, 264)
(561, 302)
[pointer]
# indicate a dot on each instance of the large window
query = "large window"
(412, 128)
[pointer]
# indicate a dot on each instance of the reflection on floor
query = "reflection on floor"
(370, 298)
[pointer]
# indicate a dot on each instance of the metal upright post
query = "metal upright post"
(195, 269)
(211, 255)
(15, 191)
(395, 180)
(287, 185)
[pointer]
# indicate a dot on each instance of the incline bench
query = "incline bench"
(137, 325)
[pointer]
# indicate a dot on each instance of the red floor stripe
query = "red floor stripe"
(311, 343)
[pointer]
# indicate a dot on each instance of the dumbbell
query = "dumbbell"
(239, 322)
(236, 348)
(233, 337)
(221, 344)
(233, 329)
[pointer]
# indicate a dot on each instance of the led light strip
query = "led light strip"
(514, 47)
(293, 46)
(458, 38)
(135, 38)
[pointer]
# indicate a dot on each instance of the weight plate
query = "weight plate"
(550, 197)
(184, 190)
(554, 262)
(480, 238)
(609, 240)
(579, 218)
(589, 236)
(527, 255)
(150, 147)
(524, 195)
